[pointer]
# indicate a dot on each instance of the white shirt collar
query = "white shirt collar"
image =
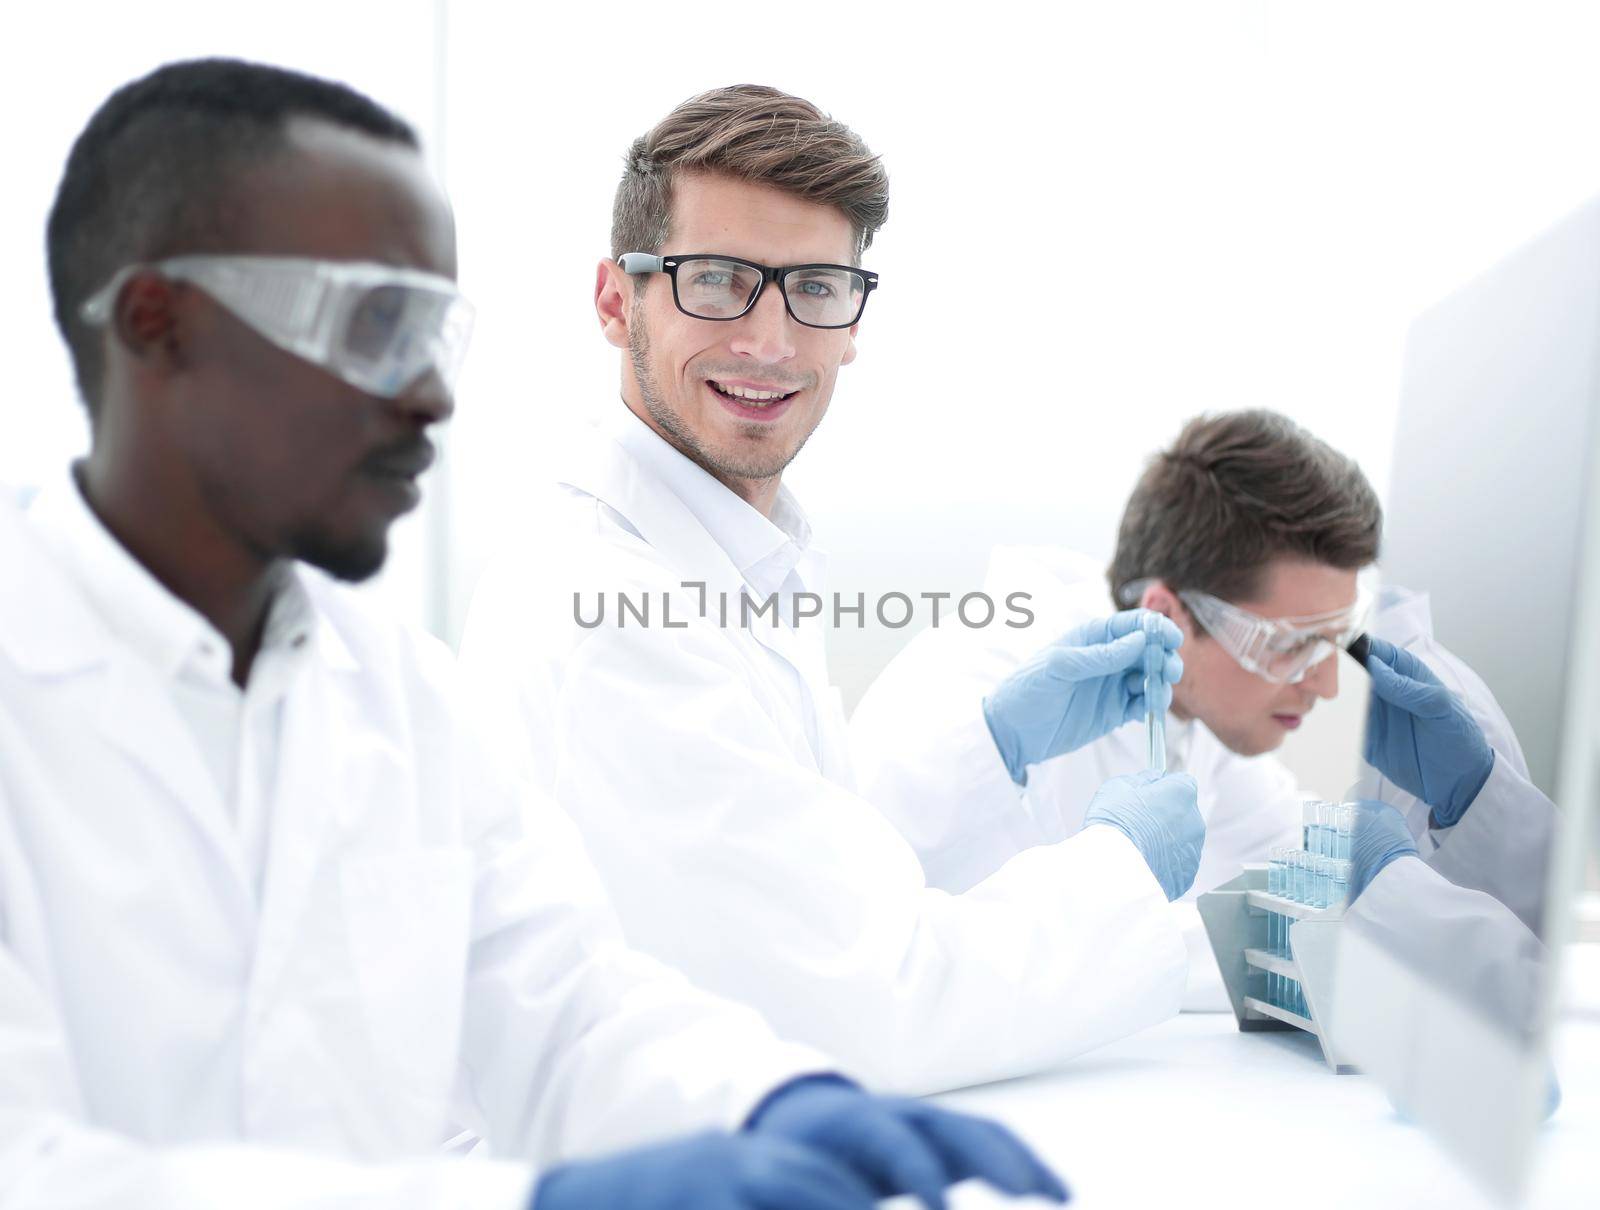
(764, 550)
(137, 608)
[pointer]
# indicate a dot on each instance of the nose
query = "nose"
(766, 332)
(427, 400)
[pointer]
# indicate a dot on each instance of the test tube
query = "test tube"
(1155, 720)
(1274, 887)
(1308, 824)
(1302, 877)
(1341, 880)
(1345, 826)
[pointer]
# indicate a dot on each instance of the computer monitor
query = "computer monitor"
(1494, 513)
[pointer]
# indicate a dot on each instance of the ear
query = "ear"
(144, 319)
(613, 297)
(850, 346)
(1163, 600)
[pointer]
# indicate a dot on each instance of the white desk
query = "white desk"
(1195, 1113)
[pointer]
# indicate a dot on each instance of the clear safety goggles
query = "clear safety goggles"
(1280, 650)
(378, 327)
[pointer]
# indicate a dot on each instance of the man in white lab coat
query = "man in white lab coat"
(655, 650)
(273, 922)
(1263, 527)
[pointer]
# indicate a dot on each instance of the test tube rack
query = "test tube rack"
(1235, 915)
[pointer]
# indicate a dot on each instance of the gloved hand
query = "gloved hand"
(706, 1172)
(1160, 813)
(1088, 682)
(899, 1145)
(1421, 737)
(1380, 836)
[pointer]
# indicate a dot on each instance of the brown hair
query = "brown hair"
(753, 133)
(1235, 491)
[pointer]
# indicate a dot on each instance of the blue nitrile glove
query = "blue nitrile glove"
(706, 1172)
(1160, 813)
(1088, 682)
(1380, 836)
(1421, 737)
(899, 1145)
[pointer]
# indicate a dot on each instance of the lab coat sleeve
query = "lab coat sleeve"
(734, 859)
(52, 1157)
(1501, 846)
(948, 793)
(1457, 938)
(924, 756)
(576, 1045)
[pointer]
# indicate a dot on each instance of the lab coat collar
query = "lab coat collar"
(46, 626)
(764, 550)
(132, 605)
(76, 596)
(631, 486)
(138, 609)
(51, 626)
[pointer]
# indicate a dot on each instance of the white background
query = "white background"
(1174, 207)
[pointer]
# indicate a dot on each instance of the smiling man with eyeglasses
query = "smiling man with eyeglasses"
(657, 652)
(739, 402)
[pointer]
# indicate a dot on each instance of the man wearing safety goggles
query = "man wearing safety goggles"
(1249, 534)
(274, 923)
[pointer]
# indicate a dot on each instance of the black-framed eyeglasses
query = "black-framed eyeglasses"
(708, 285)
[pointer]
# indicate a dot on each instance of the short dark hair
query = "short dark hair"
(753, 133)
(1235, 491)
(150, 175)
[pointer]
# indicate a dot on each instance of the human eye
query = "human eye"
(817, 287)
(1292, 644)
(375, 319)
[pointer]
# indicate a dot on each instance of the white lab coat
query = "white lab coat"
(733, 844)
(430, 949)
(928, 700)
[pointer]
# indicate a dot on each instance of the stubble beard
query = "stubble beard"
(756, 465)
